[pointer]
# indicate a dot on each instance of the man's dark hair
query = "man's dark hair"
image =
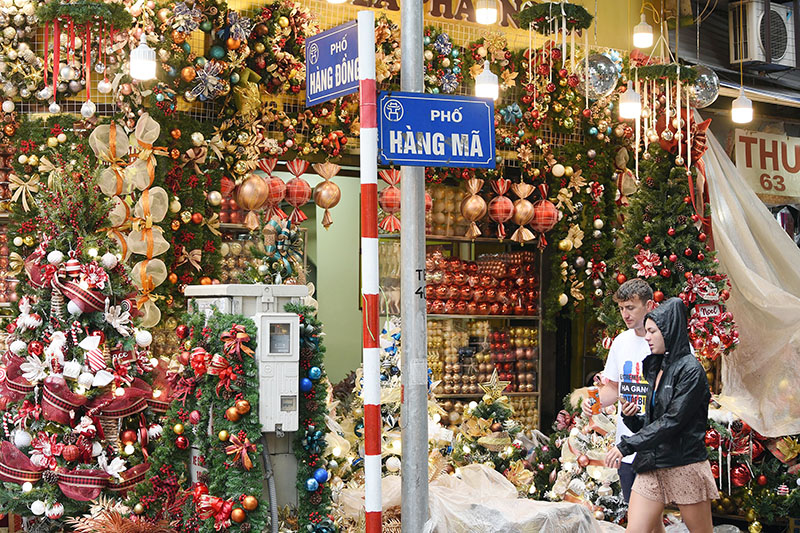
(634, 287)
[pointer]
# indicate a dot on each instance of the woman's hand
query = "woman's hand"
(628, 408)
(613, 458)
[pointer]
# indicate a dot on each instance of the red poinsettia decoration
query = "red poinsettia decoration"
(45, 450)
(646, 263)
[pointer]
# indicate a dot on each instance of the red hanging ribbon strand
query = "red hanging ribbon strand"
(56, 56)
(46, 54)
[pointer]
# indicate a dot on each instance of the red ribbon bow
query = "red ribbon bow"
(28, 410)
(219, 366)
(181, 387)
(218, 508)
(239, 448)
(235, 339)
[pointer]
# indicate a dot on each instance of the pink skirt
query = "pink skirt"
(680, 485)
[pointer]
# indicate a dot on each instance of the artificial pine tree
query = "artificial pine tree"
(75, 378)
(665, 243)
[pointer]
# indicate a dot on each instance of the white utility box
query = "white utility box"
(247, 300)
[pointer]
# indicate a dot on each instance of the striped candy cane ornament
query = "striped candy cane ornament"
(369, 270)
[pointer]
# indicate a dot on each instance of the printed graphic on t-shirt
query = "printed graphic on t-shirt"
(632, 385)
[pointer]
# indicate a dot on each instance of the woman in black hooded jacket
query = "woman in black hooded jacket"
(671, 459)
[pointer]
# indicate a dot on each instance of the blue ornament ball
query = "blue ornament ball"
(608, 130)
(455, 52)
(186, 47)
(456, 70)
(201, 61)
(206, 26)
(321, 475)
(435, 90)
(235, 78)
(592, 131)
(160, 97)
(306, 385)
(426, 40)
(171, 72)
(217, 52)
(314, 373)
(312, 484)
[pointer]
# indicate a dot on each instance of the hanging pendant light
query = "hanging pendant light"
(630, 104)
(143, 61)
(336, 1)
(643, 34)
(742, 109)
(486, 11)
(486, 83)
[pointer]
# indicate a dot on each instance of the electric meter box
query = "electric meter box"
(278, 350)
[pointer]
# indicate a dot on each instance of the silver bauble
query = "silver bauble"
(602, 74)
(66, 72)
(99, 67)
(62, 87)
(104, 86)
(88, 109)
(597, 283)
(580, 262)
(74, 86)
(705, 89)
(54, 108)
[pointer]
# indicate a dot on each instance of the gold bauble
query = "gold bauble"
(33, 160)
(178, 37)
(238, 515)
(250, 503)
(252, 194)
(327, 194)
(283, 22)
(565, 245)
(178, 429)
(233, 44)
(186, 217)
(523, 212)
(163, 14)
(473, 208)
(240, 167)
(188, 74)
(569, 171)
(52, 142)
(242, 407)
(28, 240)
(232, 414)
(223, 436)
(138, 508)
(175, 205)
(9, 129)
(259, 48)
(755, 527)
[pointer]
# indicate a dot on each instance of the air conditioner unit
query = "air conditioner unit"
(747, 25)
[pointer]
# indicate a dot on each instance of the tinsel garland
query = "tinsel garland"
(543, 17)
(83, 11)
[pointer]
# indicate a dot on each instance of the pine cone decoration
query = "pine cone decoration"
(50, 477)
(202, 477)
(315, 499)
(681, 219)
(646, 217)
(311, 405)
(680, 268)
(650, 181)
(245, 527)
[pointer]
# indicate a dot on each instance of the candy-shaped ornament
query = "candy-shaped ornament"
(298, 191)
(501, 208)
(327, 194)
(545, 215)
(473, 207)
(389, 200)
(252, 195)
(523, 212)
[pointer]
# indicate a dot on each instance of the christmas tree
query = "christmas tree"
(75, 386)
(666, 242)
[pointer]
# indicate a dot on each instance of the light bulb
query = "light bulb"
(336, 452)
(643, 34)
(486, 83)
(486, 11)
(129, 449)
(630, 105)
(27, 486)
(742, 109)
(119, 391)
(143, 61)
(336, 1)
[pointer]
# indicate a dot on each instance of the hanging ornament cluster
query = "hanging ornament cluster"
(389, 200)
(442, 60)
(327, 194)
(24, 69)
(75, 29)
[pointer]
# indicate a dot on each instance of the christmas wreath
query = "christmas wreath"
(442, 62)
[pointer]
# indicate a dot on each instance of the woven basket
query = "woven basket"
(110, 429)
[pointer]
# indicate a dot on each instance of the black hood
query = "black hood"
(670, 317)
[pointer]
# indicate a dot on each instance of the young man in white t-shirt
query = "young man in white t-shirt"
(624, 365)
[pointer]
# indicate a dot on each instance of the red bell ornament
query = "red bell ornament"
(501, 208)
(389, 200)
(298, 191)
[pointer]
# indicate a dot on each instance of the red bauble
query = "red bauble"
(665, 273)
(587, 113)
(687, 200)
(687, 252)
(673, 258)
(698, 344)
(182, 331)
(71, 452)
(712, 437)
(702, 237)
(725, 295)
(658, 296)
(128, 437)
(194, 417)
(648, 239)
(197, 218)
(181, 442)
(183, 358)
(715, 470)
(740, 475)
(700, 256)
(35, 348)
(621, 278)
(762, 480)
(688, 275)
(671, 232)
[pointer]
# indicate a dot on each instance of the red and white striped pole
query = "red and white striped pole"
(371, 389)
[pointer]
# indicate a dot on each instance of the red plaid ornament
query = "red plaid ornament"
(501, 208)
(267, 165)
(389, 200)
(298, 191)
(545, 215)
(277, 192)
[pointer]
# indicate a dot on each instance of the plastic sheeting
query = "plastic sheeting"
(483, 501)
(760, 381)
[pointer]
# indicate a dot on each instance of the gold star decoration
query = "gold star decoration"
(493, 388)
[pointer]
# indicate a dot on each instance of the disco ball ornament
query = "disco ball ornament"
(99, 68)
(54, 108)
(705, 89)
(602, 76)
(88, 109)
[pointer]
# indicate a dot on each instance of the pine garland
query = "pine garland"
(671, 72)
(548, 14)
(83, 11)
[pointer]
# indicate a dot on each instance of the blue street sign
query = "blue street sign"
(425, 130)
(332, 64)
